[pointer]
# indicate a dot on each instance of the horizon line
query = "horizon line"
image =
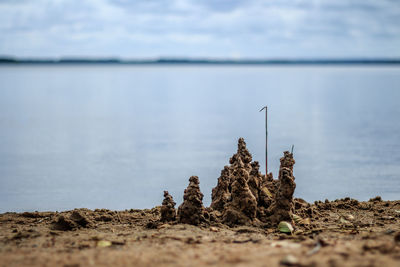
(198, 60)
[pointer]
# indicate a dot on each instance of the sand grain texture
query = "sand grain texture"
(341, 233)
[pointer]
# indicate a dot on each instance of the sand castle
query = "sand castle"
(191, 211)
(242, 196)
(168, 212)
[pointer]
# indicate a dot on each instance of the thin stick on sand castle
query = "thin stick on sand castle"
(266, 137)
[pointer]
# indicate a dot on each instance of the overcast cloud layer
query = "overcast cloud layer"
(195, 28)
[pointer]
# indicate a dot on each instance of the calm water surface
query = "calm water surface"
(117, 136)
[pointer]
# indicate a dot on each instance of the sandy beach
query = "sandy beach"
(342, 233)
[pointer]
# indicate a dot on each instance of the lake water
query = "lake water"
(117, 136)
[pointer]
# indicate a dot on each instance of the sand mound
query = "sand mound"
(76, 220)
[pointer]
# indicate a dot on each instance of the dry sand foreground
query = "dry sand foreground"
(343, 233)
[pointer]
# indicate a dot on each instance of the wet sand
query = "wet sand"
(341, 233)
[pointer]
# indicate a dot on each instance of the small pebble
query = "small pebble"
(289, 260)
(349, 217)
(214, 229)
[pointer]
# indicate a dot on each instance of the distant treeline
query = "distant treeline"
(187, 61)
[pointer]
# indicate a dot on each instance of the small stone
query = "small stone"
(285, 227)
(103, 243)
(289, 260)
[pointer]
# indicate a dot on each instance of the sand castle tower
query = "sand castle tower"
(243, 207)
(283, 204)
(261, 189)
(168, 212)
(191, 210)
(255, 179)
(287, 161)
(221, 194)
(243, 154)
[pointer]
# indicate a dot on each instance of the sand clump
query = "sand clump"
(191, 211)
(76, 220)
(168, 212)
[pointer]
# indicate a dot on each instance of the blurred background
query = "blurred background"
(193, 28)
(116, 135)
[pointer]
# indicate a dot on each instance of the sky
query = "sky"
(200, 28)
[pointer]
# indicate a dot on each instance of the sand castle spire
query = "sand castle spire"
(255, 179)
(168, 212)
(287, 161)
(221, 193)
(283, 204)
(191, 210)
(242, 152)
(243, 207)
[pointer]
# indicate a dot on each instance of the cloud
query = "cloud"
(252, 28)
